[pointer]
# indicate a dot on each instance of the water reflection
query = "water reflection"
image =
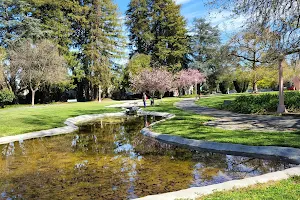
(110, 159)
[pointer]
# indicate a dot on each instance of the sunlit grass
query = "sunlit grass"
(189, 125)
(286, 189)
(24, 119)
(217, 101)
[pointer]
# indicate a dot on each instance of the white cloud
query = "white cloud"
(182, 1)
(226, 21)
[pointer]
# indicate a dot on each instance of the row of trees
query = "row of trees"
(274, 34)
(84, 38)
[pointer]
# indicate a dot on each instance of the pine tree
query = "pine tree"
(17, 22)
(158, 29)
(105, 43)
(171, 42)
(206, 51)
(140, 35)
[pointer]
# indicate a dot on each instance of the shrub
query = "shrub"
(6, 96)
(224, 86)
(241, 86)
(264, 103)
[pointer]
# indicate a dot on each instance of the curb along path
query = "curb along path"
(291, 154)
(234, 121)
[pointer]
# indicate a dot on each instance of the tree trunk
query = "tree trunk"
(281, 107)
(254, 84)
(32, 97)
(100, 94)
(254, 87)
(196, 89)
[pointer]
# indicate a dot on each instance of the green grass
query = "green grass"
(189, 125)
(18, 120)
(24, 119)
(286, 189)
(217, 101)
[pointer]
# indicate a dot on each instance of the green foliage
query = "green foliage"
(106, 40)
(158, 29)
(264, 103)
(6, 96)
(138, 63)
(2, 57)
(140, 33)
(206, 51)
(241, 86)
(17, 22)
(224, 86)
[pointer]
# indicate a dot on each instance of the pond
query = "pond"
(110, 159)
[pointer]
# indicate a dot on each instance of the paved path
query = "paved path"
(233, 121)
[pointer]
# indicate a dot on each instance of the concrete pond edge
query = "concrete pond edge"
(285, 153)
(290, 154)
(72, 126)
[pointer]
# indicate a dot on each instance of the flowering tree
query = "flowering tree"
(152, 80)
(296, 81)
(187, 78)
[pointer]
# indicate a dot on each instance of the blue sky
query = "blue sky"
(197, 8)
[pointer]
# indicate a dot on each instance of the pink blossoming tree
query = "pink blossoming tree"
(187, 78)
(152, 80)
(296, 81)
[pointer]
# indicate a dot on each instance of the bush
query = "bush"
(241, 86)
(224, 86)
(6, 96)
(264, 103)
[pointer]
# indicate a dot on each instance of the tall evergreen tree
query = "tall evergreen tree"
(17, 22)
(158, 29)
(169, 26)
(205, 50)
(140, 35)
(105, 43)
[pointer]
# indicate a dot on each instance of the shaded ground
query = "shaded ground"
(234, 121)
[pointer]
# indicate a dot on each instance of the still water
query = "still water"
(110, 159)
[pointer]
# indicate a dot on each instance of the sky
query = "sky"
(191, 9)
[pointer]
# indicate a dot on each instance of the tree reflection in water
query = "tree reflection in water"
(110, 159)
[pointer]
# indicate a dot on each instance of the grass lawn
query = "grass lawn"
(286, 189)
(189, 125)
(217, 101)
(24, 119)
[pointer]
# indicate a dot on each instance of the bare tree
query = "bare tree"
(281, 18)
(251, 47)
(38, 64)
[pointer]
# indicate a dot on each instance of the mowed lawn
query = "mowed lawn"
(217, 101)
(24, 119)
(283, 190)
(190, 125)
